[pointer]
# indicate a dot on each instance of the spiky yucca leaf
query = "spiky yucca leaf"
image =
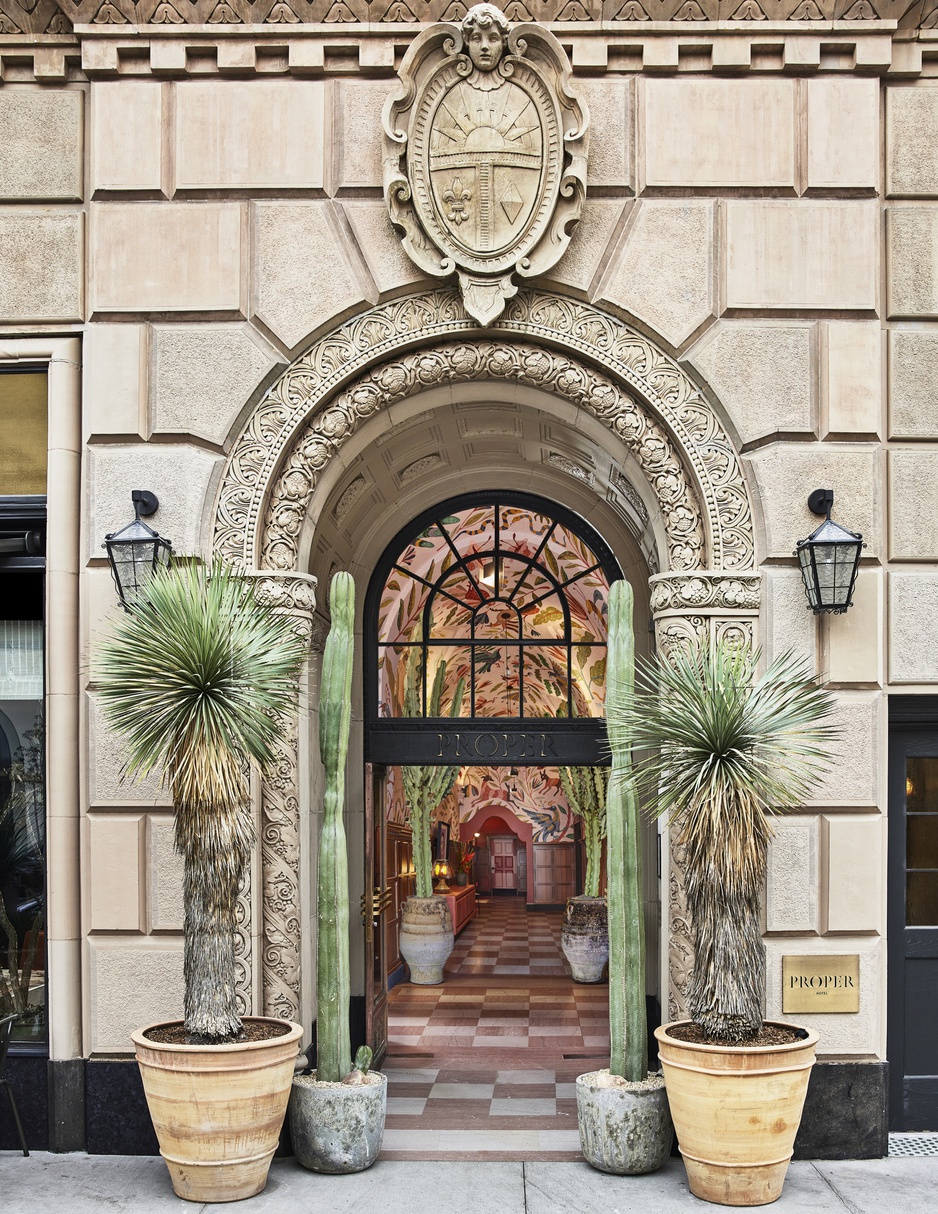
(196, 679)
(729, 748)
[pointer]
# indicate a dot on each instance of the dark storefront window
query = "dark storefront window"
(23, 442)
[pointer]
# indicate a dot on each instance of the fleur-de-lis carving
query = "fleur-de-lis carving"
(456, 198)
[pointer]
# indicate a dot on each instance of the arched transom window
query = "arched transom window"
(506, 596)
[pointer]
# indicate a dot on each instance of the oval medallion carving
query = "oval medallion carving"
(486, 166)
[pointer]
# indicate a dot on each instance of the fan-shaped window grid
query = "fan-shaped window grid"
(512, 601)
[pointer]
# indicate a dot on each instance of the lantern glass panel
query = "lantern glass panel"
(829, 559)
(136, 552)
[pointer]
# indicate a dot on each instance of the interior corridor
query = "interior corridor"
(483, 1066)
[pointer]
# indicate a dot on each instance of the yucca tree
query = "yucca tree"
(729, 748)
(196, 679)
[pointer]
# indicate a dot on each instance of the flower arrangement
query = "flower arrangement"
(463, 855)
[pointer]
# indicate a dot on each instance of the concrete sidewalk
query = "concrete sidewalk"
(89, 1184)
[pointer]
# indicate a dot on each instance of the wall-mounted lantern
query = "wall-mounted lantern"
(137, 552)
(829, 559)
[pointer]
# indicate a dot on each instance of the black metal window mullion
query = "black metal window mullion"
(533, 561)
(460, 560)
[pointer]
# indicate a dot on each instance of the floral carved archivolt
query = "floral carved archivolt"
(589, 357)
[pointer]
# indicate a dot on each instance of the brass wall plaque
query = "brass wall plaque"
(817, 983)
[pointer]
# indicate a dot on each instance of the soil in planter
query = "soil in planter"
(251, 1030)
(586, 916)
(769, 1034)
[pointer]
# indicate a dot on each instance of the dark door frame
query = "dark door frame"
(913, 727)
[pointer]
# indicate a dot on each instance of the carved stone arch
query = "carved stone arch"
(546, 340)
(396, 349)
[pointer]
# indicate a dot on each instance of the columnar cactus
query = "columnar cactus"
(334, 1051)
(628, 1026)
(425, 787)
(585, 790)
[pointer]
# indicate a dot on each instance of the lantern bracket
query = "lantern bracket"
(145, 502)
(821, 501)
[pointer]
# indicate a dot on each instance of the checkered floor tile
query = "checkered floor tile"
(506, 938)
(484, 1065)
(468, 1014)
(451, 1110)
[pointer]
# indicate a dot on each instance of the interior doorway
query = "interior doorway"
(504, 870)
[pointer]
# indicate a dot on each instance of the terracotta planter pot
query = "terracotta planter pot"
(217, 1109)
(584, 938)
(426, 938)
(736, 1110)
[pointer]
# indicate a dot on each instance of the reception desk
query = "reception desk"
(462, 905)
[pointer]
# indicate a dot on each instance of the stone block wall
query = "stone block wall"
(198, 214)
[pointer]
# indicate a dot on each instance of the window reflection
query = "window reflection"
(22, 828)
(921, 856)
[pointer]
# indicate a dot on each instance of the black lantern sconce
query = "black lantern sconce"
(829, 559)
(137, 552)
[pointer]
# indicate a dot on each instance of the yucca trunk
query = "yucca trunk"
(216, 850)
(728, 982)
(628, 1025)
(333, 1045)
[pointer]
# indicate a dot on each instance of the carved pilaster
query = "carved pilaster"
(686, 607)
(295, 595)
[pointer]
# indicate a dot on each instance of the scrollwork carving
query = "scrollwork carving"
(702, 590)
(638, 372)
(485, 155)
(482, 359)
(293, 594)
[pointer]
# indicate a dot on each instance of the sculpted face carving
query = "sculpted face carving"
(484, 38)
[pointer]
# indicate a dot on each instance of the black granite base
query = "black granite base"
(67, 1105)
(117, 1121)
(846, 1112)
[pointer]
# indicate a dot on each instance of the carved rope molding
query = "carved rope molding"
(464, 362)
(709, 523)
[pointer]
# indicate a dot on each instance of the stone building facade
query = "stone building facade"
(195, 246)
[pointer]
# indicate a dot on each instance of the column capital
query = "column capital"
(292, 592)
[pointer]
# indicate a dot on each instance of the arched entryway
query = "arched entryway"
(655, 459)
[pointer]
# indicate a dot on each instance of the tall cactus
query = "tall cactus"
(585, 790)
(334, 1051)
(628, 1026)
(425, 787)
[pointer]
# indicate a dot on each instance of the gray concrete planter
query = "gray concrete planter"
(584, 938)
(337, 1127)
(625, 1128)
(426, 938)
